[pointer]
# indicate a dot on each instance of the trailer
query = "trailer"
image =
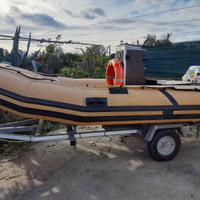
(163, 140)
(125, 102)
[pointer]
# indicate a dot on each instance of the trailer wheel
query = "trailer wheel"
(165, 145)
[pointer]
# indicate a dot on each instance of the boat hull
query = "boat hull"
(91, 102)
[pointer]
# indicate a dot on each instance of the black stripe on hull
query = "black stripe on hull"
(170, 97)
(173, 101)
(76, 118)
(166, 109)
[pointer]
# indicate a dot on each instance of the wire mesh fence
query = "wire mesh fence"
(172, 60)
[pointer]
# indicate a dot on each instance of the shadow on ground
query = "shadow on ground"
(115, 167)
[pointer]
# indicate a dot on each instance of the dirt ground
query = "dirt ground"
(107, 168)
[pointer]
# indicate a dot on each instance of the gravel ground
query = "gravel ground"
(107, 168)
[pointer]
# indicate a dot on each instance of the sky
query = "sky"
(104, 22)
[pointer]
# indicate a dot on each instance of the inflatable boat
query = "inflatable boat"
(125, 96)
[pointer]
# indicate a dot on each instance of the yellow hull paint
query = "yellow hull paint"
(91, 102)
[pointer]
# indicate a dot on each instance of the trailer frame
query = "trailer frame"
(155, 144)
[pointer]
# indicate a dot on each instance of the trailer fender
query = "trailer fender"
(154, 127)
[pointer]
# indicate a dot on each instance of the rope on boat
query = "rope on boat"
(18, 72)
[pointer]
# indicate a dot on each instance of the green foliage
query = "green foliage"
(95, 61)
(50, 59)
(16, 56)
(91, 63)
(27, 63)
(22, 118)
(81, 73)
(65, 71)
(28, 46)
(73, 72)
(71, 59)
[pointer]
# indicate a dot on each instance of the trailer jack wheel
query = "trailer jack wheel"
(165, 145)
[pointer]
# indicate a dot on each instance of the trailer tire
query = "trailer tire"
(165, 145)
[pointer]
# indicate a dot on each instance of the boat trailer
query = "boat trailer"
(163, 140)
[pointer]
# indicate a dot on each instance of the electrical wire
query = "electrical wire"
(70, 42)
(135, 17)
(138, 27)
(7, 37)
(131, 38)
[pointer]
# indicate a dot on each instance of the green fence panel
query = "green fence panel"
(172, 60)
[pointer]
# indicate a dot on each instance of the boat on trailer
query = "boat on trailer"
(125, 98)
(134, 100)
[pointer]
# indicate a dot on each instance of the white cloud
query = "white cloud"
(89, 12)
(46, 19)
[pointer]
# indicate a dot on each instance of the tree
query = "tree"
(91, 63)
(151, 40)
(71, 60)
(53, 52)
(50, 59)
(95, 61)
